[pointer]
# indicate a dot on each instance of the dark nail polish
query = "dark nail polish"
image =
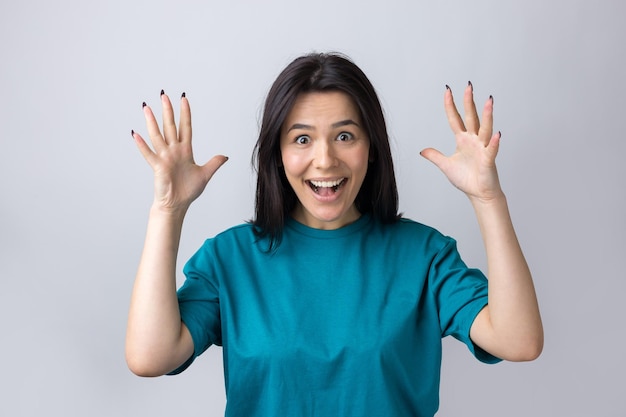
(162, 92)
(499, 134)
(143, 104)
(132, 132)
(183, 95)
(447, 87)
(491, 98)
(469, 83)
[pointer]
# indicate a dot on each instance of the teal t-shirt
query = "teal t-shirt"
(344, 322)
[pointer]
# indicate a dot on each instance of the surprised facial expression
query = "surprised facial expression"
(325, 154)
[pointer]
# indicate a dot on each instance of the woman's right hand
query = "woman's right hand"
(156, 340)
(178, 181)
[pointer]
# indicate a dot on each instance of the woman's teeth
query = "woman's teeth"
(316, 185)
(327, 184)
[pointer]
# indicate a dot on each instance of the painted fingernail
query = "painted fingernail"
(132, 132)
(491, 98)
(499, 134)
(183, 95)
(447, 87)
(469, 83)
(162, 92)
(143, 104)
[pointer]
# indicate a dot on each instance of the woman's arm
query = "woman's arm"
(509, 327)
(157, 341)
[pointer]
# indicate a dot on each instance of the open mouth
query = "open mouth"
(325, 188)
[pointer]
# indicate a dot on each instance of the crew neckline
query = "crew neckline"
(353, 227)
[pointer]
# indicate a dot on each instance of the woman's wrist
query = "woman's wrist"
(167, 213)
(496, 199)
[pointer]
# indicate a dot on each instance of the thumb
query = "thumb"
(213, 165)
(434, 156)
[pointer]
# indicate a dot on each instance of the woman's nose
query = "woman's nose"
(325, 156)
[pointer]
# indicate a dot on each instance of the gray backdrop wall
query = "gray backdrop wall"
(75, 191)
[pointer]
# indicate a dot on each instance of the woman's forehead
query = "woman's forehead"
(322, 107)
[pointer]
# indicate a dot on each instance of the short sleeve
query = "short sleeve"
(460, 293)
(198, 300)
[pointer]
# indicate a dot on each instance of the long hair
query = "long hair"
(319, 72)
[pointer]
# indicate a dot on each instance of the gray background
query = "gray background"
(75, 191)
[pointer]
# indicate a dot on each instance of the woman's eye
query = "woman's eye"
(344, 136)
(302, 140)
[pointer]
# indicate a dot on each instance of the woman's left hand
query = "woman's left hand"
(509, 327)
(472, 167)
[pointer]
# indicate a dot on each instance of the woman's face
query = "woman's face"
(325, 155)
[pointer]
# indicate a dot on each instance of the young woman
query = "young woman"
(328, 302)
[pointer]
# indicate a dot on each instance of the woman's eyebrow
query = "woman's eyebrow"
(300, 126)
(346, 122)
(335, 125)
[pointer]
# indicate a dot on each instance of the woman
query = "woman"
(328, 302)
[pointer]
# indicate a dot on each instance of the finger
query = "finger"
(494, 145)
(471, 115)
(153, 128)
(213, 165)
(486, 127)
(454, 118)
(434, 156)
(143, 147)
(184, 129)
(169, 124)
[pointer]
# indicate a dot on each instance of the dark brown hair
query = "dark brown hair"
(318, 72)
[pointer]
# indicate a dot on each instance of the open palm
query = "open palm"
(178, 180)
(472, 167)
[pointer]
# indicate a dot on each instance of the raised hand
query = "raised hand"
(156, 340)
(472, 167)
(178, 180)
(509, 327)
